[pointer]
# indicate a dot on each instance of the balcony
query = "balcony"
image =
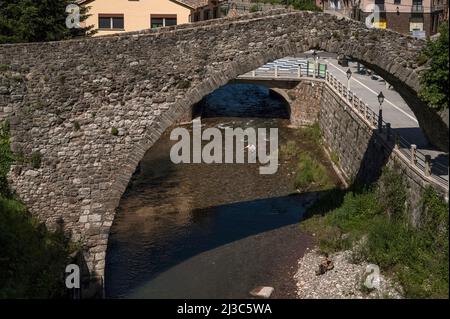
(417, 8)
(438, 7)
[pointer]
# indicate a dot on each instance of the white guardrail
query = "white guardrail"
(433, 171)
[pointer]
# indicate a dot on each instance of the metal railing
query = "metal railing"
(433, 170)
(438, 7)
(408, 151)
(417, 8)
(302, 70)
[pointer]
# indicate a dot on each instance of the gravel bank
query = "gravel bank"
(345, 280)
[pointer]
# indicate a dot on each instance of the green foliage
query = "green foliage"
(32, 259)
(254, 8)
(310, 133)
(6, 158)
(418, 256)
(36, 21)
(309, 5)
(391, 194)
(434, 81)
(114, 131)
(303, 5)
(289, 150)
(310, 174)
(4, 67)
(334, 158)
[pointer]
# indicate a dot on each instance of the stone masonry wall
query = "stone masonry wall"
(363, 152)
(74, 96)
(305, 102)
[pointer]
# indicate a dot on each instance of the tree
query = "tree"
(434, 81)
(309, 5)
(36, 21)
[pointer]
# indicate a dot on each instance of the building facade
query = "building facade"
(116, 16)
(420, 18)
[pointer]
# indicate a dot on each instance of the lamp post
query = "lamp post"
(314, 54)
(349, 75)
(380, 111)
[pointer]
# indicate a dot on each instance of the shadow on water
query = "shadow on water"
(228, 101)
(212, 229)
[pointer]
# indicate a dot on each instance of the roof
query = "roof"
(194, 4)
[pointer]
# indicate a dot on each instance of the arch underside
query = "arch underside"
(142, 84)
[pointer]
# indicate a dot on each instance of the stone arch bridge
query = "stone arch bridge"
(64, 100)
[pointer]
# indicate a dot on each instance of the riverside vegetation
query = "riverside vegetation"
(32, 258)
(310, 174)
(373, 222)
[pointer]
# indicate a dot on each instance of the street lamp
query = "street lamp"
(380, 111)
(349, 75)
(314, 54)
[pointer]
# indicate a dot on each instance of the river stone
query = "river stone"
(262, 292)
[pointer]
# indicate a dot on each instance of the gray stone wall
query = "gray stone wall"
(305, 101)
(73, 95)
(363, 152)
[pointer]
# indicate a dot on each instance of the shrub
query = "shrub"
(32, 258)
(434, 81)
(6, 158)
(310, 174)
(391, 193)
(114, 131)
(418, 257)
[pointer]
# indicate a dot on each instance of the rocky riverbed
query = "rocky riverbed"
(344, 279)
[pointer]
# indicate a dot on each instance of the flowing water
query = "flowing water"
(211, 230)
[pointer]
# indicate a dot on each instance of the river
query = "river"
(212, 230)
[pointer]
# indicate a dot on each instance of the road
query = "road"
(367, 87)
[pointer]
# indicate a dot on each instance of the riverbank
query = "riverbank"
(346, 280)
(357, 227)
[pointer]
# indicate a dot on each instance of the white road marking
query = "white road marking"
(368, 88)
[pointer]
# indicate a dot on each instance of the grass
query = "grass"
(304, 151)
(6, 157)
(334, 158)
(416, 256)
(289, 150)
(310, 174)
(32, 258)
(311, 133)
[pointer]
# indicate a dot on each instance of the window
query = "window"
(162, 20)
(196, 17)
(111, 22)
(206, 14)
(397, 1)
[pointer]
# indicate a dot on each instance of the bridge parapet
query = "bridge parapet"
(76, 93)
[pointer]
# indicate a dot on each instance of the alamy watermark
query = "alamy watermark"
(73, 276)
(73, 20)
(373, 19)
(373, 279)
(261, 146)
